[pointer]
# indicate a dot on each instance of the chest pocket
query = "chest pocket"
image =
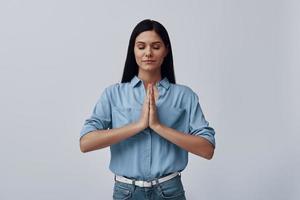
(173, 117)
(124, 116)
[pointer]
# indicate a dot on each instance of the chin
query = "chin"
(149, 67)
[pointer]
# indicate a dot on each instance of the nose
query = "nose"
(148, 53)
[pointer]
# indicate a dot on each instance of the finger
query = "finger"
(147, 98)
(152, 99)
(155, 89)
(149, 91)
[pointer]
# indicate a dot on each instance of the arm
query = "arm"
(103, 138)
(191, 143)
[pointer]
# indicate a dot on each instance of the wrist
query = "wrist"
(156, 127)
(139, 126)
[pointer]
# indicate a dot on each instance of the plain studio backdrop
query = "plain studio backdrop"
(240, 57)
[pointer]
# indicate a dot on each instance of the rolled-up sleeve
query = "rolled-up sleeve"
(198, 124)
(100, 118)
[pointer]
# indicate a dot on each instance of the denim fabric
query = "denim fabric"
(171, 190)
(147, 155)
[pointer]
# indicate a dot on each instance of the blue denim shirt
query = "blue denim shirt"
(147, 155)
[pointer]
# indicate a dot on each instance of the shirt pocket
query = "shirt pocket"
(123, 116)
(173, 117)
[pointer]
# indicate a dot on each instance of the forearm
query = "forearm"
(103, 138)
(191, 143)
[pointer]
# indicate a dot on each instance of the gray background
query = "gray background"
(56, 57)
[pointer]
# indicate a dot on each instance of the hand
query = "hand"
(144, 118)
(153, 119)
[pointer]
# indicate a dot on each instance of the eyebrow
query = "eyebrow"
(140, 42)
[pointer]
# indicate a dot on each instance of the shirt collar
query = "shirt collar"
(135, 81)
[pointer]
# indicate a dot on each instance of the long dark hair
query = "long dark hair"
(131, 68)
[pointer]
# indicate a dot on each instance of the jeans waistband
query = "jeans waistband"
(141, 183)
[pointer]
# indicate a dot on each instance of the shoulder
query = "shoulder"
(116, 87)
(185, 90)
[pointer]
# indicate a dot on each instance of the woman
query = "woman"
(149, 121)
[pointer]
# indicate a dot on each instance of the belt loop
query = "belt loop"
(156, 181)
(157, 185)
(133, 184)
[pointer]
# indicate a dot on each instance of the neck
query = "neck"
(149, 77)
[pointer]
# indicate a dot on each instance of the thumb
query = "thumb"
(147, 97)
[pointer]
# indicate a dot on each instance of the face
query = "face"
(149, 51)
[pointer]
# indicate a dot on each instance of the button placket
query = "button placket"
(148, 152)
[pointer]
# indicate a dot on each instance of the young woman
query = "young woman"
(149, 121)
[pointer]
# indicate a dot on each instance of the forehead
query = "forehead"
(148, 36)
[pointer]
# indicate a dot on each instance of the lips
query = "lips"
(148, 61)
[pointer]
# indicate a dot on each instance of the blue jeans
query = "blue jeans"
(171, 190)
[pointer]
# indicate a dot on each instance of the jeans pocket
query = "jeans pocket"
(121, 192)
(172, 189)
